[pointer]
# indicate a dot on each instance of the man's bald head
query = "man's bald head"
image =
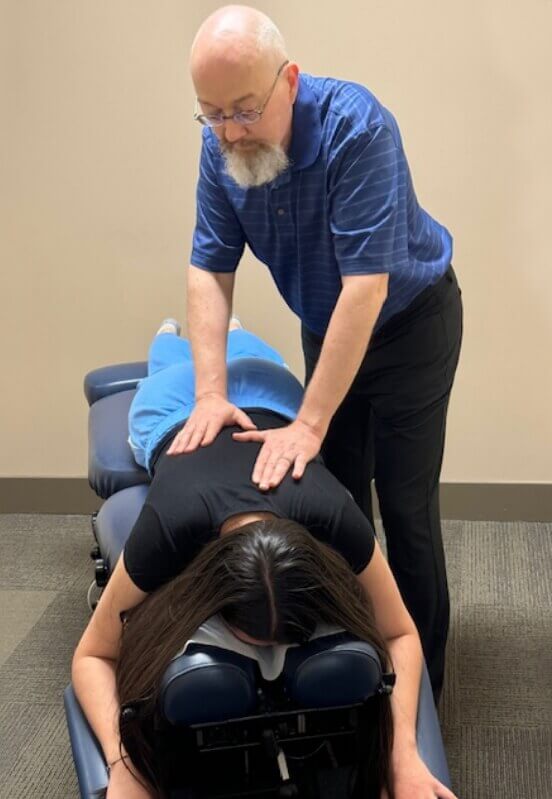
(235, 35)
(239, 64)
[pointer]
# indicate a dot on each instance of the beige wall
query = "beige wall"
(98, 161)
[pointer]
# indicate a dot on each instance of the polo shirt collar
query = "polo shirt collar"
(306, 128)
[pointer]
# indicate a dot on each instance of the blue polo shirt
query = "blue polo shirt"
(346, 206)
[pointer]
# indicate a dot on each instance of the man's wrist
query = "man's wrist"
(211, 393)
(315, 419)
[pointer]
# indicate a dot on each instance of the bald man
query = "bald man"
(311, 174)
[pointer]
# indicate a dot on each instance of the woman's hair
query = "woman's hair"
(270, 579)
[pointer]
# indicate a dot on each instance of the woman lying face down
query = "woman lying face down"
(297, 555)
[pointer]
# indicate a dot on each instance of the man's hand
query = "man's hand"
(413, 780)
(283, 448)
(211, 413)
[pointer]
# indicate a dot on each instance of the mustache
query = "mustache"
(228, 147)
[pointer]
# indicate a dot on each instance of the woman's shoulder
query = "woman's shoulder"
(318, 495)
(320, 500)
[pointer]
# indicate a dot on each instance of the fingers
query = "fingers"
(260, 463)
(180, 440)
(211, 432)
(279, 471)
(250, 435)
(244, 421)
(272, 468)
(196, 438)
(194, 435)
(299, 467)
(443, 792)
(187, 440)
(281, 449)
(200, 431)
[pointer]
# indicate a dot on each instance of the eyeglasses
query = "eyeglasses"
(240, 117)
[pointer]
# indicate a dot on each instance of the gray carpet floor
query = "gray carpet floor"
(496, 708)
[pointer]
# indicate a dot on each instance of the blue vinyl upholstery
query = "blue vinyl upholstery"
(320, 675)
(115, 520)
(109, 380)
(208, 684)
(87, 752)
(111, 464)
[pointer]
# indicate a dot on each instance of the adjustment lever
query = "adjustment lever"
(274, 752)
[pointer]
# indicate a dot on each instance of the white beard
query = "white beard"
(257, 166)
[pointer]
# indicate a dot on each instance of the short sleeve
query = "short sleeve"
(364, 200)
(154, 553)
(324, 506)
(218, 240)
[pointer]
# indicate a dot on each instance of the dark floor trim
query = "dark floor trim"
(47, 495)
(530, 502)
(472, 501)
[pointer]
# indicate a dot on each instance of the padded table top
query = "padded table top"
(111, 464)
(116, 519)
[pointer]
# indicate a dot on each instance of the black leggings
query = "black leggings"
(391, 428)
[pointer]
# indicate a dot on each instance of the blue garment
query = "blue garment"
(346, 206)
(257, 378)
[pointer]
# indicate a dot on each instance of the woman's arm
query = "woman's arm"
(95, 658)
(411, 777)
(397, 627)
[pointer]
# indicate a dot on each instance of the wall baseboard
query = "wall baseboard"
(470, 501)
(47, 495)
(530, 502)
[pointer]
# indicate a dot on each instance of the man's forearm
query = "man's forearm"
(343, 349)
(209, 304)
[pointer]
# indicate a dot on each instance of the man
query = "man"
(311, 174)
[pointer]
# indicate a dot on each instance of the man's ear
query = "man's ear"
(292, 77)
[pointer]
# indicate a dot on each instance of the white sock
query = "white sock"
(170, 326)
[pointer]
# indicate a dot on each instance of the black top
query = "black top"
(191, 496)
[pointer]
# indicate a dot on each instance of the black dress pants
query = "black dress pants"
(391, 428)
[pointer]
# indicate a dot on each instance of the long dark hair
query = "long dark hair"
(270, 579)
